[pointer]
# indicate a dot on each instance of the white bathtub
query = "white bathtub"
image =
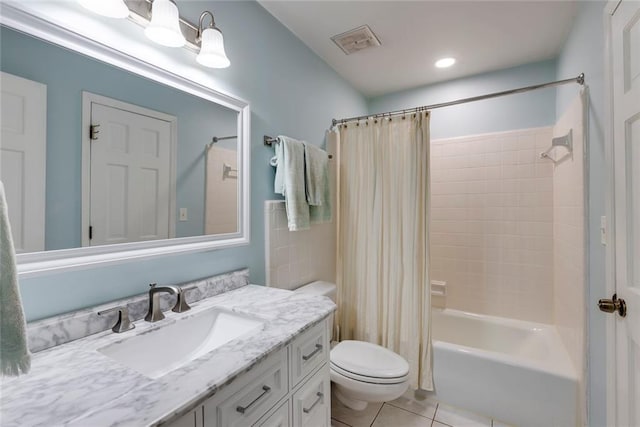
(514, 371)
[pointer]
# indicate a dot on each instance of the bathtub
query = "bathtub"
(514, 371)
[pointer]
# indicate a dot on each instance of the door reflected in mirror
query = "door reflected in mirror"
(95, 155)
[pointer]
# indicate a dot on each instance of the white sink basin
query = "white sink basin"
(162, 350)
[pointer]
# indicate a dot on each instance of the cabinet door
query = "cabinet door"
(309, 351)
(192, 419)
(280, 418)
(312, 402)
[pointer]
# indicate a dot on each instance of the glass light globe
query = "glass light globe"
(212, 52)
(108, 8)
(164, 27)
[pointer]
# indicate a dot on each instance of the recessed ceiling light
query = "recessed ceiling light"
(445, 62)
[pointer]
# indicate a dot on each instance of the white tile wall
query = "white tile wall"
(569, 243)
(221, 193)
(492, 223)
(294, 258)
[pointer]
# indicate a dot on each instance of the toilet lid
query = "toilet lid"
(368, 360)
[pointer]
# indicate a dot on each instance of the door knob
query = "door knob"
(613, 304)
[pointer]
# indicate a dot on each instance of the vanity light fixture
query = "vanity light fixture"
(445, 62)
(164, 27)
(163, 24)
(108, 8)
(212, 52)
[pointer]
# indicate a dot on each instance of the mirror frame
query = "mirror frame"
(50, 27)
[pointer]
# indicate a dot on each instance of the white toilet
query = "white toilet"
(362, 372)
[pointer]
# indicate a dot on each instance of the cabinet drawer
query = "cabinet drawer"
(309, 351)
(312, 402)
(252, 401)
(280, 418)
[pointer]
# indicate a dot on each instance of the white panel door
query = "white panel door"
(625, 44)
(130, 177)
(23, 144)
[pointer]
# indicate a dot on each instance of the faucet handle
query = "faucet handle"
(181, 301)
(124, 323)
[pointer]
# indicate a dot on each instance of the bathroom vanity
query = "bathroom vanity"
(274, 372)
(289, 388)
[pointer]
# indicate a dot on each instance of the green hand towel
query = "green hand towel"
(289, 181)
(14, 354)
(316, 168)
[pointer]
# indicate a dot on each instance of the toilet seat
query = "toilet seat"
(369, 363)
(367, 379)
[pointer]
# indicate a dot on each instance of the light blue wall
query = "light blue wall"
(66, 75)
(584, 52)
(527, 110)
(291, 91)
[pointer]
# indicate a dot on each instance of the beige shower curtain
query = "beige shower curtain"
(383, 250)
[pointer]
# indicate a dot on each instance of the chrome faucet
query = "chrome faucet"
(155, 312)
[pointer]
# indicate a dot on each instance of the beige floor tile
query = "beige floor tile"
(336, 423)
(391, 416)
(341, 413)
(418, 403)
(437, 424)
(497, 423)
(460, 418)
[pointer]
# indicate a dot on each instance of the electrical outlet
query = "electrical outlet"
(183, 214)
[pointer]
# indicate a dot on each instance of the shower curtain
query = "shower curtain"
(382, 246)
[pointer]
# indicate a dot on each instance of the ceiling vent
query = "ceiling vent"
(356, 39)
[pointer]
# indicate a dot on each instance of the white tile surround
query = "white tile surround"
(492, 223)
(569, 243)
(294, 258)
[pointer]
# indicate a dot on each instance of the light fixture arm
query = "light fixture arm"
(211, 25)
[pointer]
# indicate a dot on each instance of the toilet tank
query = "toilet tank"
(319, 287)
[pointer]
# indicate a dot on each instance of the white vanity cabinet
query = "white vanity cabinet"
(289, 388)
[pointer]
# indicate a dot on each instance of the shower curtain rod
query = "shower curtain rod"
(579, 80)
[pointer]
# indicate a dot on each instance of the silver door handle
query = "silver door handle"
(242, 409)
(613, 304)
(313, 353)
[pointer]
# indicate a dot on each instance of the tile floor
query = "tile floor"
(408, 411)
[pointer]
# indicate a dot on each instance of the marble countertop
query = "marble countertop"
(73, 384)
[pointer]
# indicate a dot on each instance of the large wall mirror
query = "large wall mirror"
(102, 163)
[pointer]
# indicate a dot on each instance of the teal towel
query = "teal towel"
(14, 354)
(289, 181)
(316, 168)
